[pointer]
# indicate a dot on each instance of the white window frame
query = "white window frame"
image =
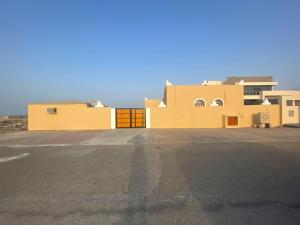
(197, 99)
(214, 101)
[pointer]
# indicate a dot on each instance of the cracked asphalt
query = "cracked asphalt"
(151, 176)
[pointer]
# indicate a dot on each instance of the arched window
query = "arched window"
(199, 102)
(217, 102)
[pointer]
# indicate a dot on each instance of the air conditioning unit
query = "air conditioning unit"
(264, 117)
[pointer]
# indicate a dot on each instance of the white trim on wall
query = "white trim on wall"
(113, 118)
(148, 118)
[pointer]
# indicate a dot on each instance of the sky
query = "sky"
(120, 52)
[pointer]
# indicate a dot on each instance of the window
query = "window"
(199, 102)
(297, 102)
(291, 113)
(251, 92)
(52, 110)
(273, 101)
(219, 102)
(252, 102)
(289, 102)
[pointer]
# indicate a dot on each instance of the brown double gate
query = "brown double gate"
(130, 118)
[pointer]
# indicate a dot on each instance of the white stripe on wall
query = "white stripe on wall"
(148, 118)
(113, 118)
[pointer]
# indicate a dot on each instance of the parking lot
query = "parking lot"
(151, 176)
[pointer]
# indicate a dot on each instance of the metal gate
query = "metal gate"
(130, 118)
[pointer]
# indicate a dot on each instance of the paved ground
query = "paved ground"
(139, 176)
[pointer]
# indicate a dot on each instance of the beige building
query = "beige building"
(236, 102)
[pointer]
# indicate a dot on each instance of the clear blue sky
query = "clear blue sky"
(122, 51)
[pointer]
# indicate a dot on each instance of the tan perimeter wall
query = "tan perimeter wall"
(68, 117)
(250, 112)
(211, 117)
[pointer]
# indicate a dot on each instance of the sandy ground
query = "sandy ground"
(156, 176)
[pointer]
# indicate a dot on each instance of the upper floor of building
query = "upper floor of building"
(253, 86)
(234, 91)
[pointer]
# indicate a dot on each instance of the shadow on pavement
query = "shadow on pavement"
(138, 186)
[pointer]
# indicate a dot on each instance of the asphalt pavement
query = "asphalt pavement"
(151, 176)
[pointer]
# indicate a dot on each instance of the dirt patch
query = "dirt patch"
(13, 125)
